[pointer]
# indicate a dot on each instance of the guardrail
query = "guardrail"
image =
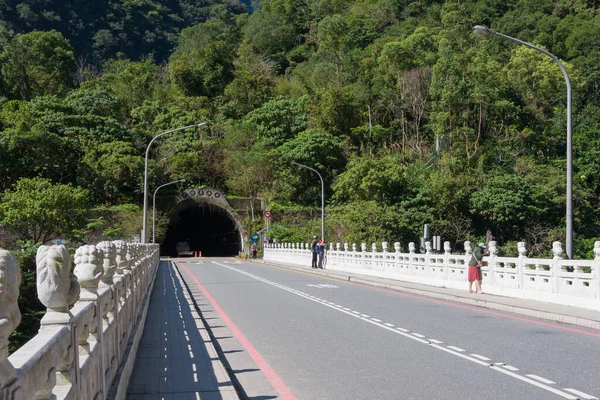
(91, 313)
(556, 280)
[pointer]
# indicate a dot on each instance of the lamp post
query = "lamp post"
(322, 198)
(154, 207)
(144, 229)
(482, 31)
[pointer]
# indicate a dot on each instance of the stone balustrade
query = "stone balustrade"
(91, 313)
(556, 280)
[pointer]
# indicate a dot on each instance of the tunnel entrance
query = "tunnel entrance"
(207, 228)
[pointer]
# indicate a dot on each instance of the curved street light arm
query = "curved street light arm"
(482, 31)
(322, 197)
(144, 222)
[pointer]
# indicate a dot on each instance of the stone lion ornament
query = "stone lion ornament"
(57, 286)
(10, 316)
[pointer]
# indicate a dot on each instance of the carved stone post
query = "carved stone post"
(493, 249)
(58, 289)
(522, 249)
(557, 250)
(10, 316)
(411, 256)
(109, 307)
(447, 248)
(57, 286)
(428, 248)
(447, 254)
(398, 249)
(89, 270)
(468, 254)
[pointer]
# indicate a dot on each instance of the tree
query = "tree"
(38, 63)
(112, 172)
(38, 210)
(504, 202)
(202, 63)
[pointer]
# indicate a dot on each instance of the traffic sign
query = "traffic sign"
(267, 214)
(246, 233)
(255, 237)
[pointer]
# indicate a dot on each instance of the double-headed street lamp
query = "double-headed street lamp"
(482, 31)
(154, 206)
(322, 198)
(144, 229)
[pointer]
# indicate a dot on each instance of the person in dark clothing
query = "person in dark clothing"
(254, 250)
(475, 264)
(313, 248)
(321, 254)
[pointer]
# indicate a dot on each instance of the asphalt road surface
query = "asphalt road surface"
(318, 338)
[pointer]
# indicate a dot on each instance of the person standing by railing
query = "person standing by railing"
(313, 249)
(320, 254)
(475, 265)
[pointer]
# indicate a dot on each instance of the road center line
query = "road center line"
(450, 349)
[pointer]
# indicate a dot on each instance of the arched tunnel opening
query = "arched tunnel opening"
(206, 228)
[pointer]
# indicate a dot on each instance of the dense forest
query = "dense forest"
(409, 116)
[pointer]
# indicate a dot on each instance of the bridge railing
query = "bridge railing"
(556, 280)
(91, 312)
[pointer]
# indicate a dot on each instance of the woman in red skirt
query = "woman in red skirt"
(475, 268)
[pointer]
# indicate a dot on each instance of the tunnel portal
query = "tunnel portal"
(207, 228)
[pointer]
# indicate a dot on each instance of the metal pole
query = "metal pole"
(322, 198)
(145, 217)
(482, 30)
(154, 207)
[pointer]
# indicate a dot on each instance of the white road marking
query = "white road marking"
(364, 316)
(388, 324)
(436, 341)
(347, 309)
(480, 357)
(510, 368)
(322, 285)
(376, 320)
(403, 330)
(417, 335)
(400, 331)
(581, 394)
(543, 380)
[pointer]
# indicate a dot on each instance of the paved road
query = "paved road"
(329, 339)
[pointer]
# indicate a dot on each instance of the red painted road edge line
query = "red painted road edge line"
(271, 375)
(498, 314)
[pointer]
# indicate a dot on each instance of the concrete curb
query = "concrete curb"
(484, 303)
(118, 389)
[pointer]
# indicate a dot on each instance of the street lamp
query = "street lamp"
(322, 198)
(154, 206)
(482, 31)
(144, 231)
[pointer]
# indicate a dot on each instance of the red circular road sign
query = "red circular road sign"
(267, 214)
(245, 233)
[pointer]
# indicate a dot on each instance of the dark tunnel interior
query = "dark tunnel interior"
(206, 228)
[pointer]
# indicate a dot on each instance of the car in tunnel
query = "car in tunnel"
(183, 249)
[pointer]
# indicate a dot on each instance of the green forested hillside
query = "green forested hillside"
(409, 116)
